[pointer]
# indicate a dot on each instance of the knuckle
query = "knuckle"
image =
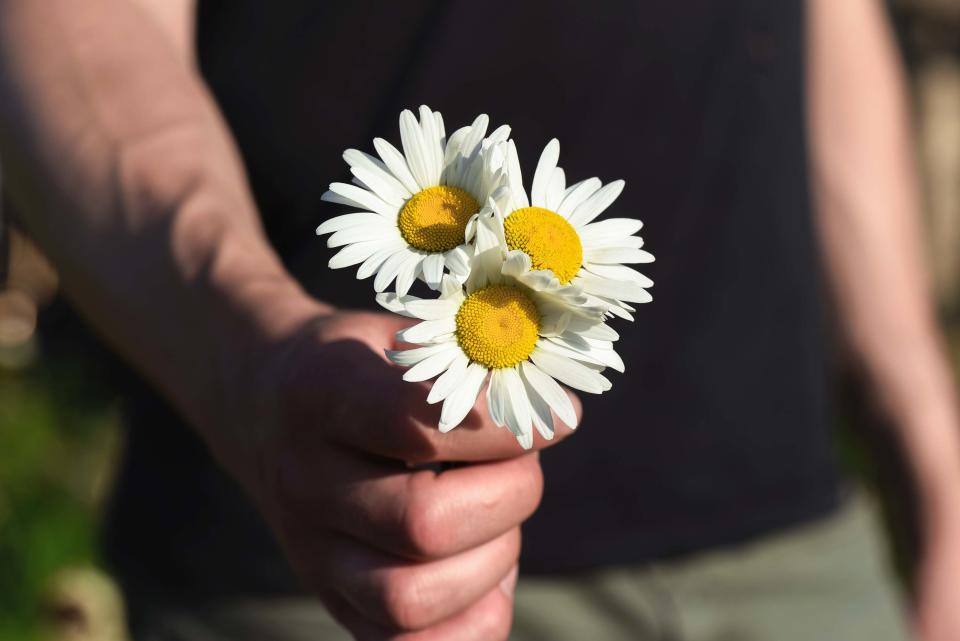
(404, 603)
(534, 472)
(426, 529)
(415, 445)
(534, 482)
(493, 622)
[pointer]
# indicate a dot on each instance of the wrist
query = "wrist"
(254, 311)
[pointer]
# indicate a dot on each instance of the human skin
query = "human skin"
(125, 173)
(132, 185)
(869, 222)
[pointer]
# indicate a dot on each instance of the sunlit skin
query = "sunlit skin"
(73, 94)
(287, 381)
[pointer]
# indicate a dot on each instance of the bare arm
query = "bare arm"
(126, 176)
(869, 219)
(125, 173)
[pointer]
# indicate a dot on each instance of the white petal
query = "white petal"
(450, 287)
(551, 392)
(454, 147)
(346, 221)
(570, 372)
(427, 331)
(610, 228)
(618, 272)
(517, 414)
(373, 172)
(433, 309)
(376, 260)
(596, 204)
(498, 135)
(620, 312)
(516, 263)
(617, 289)
(441, 129)
(471, 143)
(407, 272)
(410, 357)
(600, 352)
(433, 151)
(555, 323)
(433, 364)
(558, 183)
(617, 255)
(539, 409)
(518, 195)
(496, 398)
(449, 380)
(362, 233)
(354, 254)
(635, 242)
(433, 270)
(396, 304)
(459, 403)
(357, 158)
(388, 271)
(544, 172)
(458, 262)
(397, 164)
(589, 328)
(411, 137)
(541, 280)
(573, 348)
(489, 234)
(576, 194)
(386, 187)
(347, 194)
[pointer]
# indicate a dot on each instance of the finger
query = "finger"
(419, 514)
(372, 408)
(412, 596)
(488, 619)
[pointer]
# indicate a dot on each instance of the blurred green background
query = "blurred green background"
(59, 435)
(58, 439)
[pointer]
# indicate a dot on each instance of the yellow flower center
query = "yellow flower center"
(434, 219)
(497, 326)
(548, 239)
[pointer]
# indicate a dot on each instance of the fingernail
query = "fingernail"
(509, 582)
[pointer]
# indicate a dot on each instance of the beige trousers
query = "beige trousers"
(824, 581)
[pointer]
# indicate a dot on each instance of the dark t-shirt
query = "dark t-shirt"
(718, 431)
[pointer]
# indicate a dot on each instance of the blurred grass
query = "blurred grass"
(58, 439)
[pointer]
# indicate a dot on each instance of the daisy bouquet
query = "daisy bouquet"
(524, 283)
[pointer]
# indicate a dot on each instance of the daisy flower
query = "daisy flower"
(556, 229)
(493, 324)
(415, 206)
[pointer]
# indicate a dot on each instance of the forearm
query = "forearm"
(122, 169)
(868, 205)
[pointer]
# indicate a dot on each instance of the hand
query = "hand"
(938, 605)
(393, 550)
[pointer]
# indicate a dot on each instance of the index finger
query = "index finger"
(394, 418)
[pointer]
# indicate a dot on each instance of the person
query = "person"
(278, 480)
